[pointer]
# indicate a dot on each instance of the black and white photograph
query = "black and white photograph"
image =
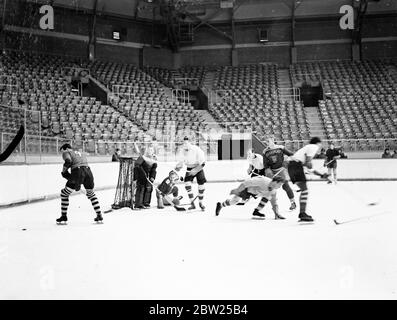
(198, 150)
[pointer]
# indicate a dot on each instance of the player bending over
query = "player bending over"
(273, 162)
(303, 158)
(255, 162)
(194, 159)
(259, 186)
(167, 191)
(80, 175)
(330, 161)
(255, 167)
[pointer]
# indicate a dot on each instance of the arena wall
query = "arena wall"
(26, 183)
(316, 38)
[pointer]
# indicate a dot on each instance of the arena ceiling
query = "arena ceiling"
(244, 9)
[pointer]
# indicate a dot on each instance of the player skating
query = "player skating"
(300, 159)
(330, 161)
(273, 161)
(194, 159)
(258, 186)
(80, 175)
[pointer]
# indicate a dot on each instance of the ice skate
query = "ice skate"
(202, 206)
(99, 218)
(192, 206)
(218, 208)
(304, 217)
(62, 220)
(278, 217)
(293, 206)
(257, 215)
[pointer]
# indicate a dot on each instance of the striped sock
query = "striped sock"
(226, 203)
(189, 191)
(303, 200)
(94, 201)
(65, 193)
(261, 204)
(201, 189)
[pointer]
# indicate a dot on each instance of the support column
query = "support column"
(177, 60)
(294, 55)
(235, 62)
(356, 54)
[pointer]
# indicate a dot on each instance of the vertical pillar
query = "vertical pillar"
(294, 55)
(356, 54)
(177, 60)
(235, 58)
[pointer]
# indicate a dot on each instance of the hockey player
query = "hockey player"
(300, 159)
(255, 162)
(255, 168)
(80, 175)
(258, 186)
(167, 191)
(273, 162)
(145, 171)
(194, 159)
(330, 161)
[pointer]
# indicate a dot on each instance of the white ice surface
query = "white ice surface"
(153, 254)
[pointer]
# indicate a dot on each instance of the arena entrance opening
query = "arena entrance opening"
(311, 93)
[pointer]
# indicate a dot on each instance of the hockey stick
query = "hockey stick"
(259, 175)
(14, 143)
(327, 163)
(360, 218)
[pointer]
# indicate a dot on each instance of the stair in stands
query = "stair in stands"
(209, 79)
(316, 125)
(284, 85)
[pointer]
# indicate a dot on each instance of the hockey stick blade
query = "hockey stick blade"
(360, 218)
(14, 143)
(179, 208)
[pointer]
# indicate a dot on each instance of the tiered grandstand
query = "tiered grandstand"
(360, 101)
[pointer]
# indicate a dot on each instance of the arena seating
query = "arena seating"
(149, 106)
(360, 102)
(254, 98)
(63, 113)
(169, 78)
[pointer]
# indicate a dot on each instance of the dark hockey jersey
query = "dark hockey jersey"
(331, 153)
(74, 159)
(166, 186)
(273, 158)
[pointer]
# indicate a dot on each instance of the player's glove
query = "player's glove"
(66, 174)
(151, 180)
(325, 176)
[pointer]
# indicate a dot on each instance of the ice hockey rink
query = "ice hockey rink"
(164, 254)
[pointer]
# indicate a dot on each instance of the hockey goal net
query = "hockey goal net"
(125, 186)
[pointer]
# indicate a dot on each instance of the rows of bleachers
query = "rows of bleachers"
(192, 75)
(149, 104)
(253, 97)
(43, 87)
(361, 98)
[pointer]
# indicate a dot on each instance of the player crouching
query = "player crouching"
(261, 186)
(167, 191)
(80, 175)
